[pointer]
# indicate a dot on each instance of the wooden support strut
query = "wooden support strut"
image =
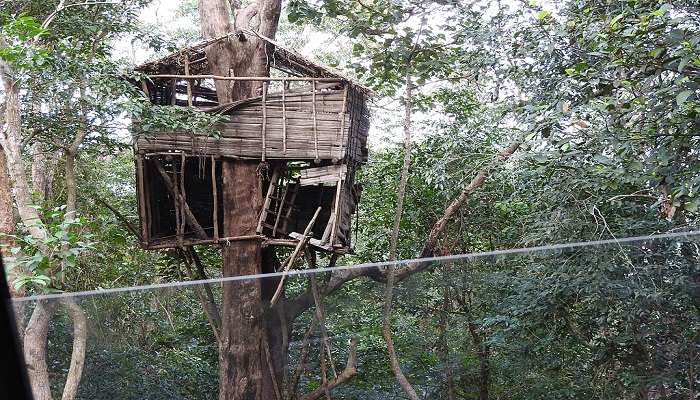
(173, 89)
(189, 82)
(313, 107)
(302, 242)
(264, 121)
(284, 118)
(177, 202)
(247, 78)
(183, 195)
(343, 110)
(142, 198)
(336, 211)
(215, 213)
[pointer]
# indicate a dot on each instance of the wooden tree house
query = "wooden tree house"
(308, 127)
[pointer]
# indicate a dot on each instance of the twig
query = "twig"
(120, 217)
(292, 388)
(349, 371)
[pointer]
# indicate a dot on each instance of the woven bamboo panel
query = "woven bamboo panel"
(292, 132)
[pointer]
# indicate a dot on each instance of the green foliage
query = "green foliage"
(20, 50)
(39, 262)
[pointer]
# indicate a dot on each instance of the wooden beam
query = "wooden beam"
(264, 121)
(189, 82)
(313, 107)
(295, 254)
(247, 78)
(215, 214)
(284, 118)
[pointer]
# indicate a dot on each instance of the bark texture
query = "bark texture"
(35, 349)
(77, 361)
(244, 370)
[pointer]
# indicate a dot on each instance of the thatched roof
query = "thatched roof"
(279, 57)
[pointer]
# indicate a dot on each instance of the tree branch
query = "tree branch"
(120, 217)
(349, 371)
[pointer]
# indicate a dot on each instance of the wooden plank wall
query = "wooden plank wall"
(242, 136)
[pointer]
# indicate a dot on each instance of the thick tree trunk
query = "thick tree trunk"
(36, 332)
(11, 142)
(248, 346)
(77, 361)
(7, 219)
(35, 349)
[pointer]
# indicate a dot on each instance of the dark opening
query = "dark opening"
(160, 203)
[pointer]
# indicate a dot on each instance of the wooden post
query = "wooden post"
(264, 120)
(189, 82)
(343, 110)
(173, 95)
(313, 105)
(177, 203)
(144, 87)
(183, 192)
(336, 211)
(284, 118)
(142, 198)
(215, 214)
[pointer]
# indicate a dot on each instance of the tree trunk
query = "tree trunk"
(482, 351)
(389, 290)
(244, 370)
(7, 219)
(77, 361)
(11, 140)
(35, 349)
(36, 332)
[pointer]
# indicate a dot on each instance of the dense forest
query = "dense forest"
(495, 126)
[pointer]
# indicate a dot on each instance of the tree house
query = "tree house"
(307, 126)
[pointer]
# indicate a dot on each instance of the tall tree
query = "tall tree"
(244, 372)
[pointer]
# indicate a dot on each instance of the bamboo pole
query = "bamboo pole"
(336, 212)
(173, 94)
(313, 107)
(246, 78)
(343, 110)
(183, 191)
(189, 82)
(264, 121)
(215, 215)
(142, 197)
(302, 242)
(177, 200)
(284, 118)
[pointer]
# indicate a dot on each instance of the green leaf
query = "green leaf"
(542, 15)
(616, 19)
(683, 96)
